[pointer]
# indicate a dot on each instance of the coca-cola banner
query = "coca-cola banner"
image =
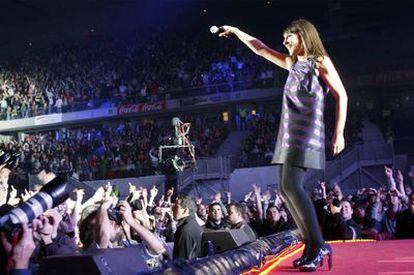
(142, 107)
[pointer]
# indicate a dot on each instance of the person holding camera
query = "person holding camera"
(98, 229)
(338, 223)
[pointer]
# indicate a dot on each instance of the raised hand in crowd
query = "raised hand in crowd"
(161, 201)
(13, 199)
(105, 229)
(168, 195)
(390, 178)
(228, 196)
(144, 197)
(153, 194)
(54, 218)
(131, 187)
(401, 188)
(266, 196)
(248, 196)
(148, 238)
(99, 195)
(334, 209)
(45, 177)
(337, 190)
(108, 190)
(23, 250)
(256, 190)
(322, 186)
(400, 177)
(26, 195)
(216, 197)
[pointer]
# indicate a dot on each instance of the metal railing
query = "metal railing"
(361, 154)
(208, 169)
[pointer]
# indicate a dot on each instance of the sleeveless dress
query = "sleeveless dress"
(301, 137)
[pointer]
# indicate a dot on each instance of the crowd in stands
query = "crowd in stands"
(139, 68)
(259, 145)
(125, 149)
(157, 221)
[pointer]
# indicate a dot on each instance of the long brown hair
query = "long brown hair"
(309, 36)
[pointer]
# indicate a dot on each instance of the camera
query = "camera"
(49, 196)
(114, 215)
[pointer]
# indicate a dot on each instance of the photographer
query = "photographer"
(338, 224)
(98, 231)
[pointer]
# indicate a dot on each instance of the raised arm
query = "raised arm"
(331, 77)
(258, 47)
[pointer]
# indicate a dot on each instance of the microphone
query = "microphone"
(216, 30)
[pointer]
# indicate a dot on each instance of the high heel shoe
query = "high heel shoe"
(312, 263)
(302, 259)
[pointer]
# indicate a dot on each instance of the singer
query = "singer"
(301, 140)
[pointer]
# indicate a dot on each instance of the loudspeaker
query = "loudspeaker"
(223, 240)
(129, 260)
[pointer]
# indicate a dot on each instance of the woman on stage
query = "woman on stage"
(301, 139)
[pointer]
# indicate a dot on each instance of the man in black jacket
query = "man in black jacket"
(405, 221)
(187, 238)
(274, 222)
(339, 224)
(215, 219)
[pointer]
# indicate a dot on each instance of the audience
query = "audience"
(125, 149)
(120, 70)
(151, 223)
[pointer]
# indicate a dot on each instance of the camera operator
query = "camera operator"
(338, 224)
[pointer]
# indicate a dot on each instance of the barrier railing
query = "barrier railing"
(235, 261)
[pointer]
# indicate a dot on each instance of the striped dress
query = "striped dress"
(301, 138)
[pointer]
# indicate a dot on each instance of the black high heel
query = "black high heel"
(315, 261)
(300, 261)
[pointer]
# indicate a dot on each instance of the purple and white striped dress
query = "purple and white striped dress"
(301, 138)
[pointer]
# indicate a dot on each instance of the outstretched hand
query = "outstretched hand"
(228, 31)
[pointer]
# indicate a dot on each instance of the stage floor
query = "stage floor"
(355, 257)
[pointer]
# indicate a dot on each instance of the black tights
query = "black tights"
(300, 204)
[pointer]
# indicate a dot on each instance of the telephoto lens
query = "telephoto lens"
(51, 195)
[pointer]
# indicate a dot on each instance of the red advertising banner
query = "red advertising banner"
(140, 108)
